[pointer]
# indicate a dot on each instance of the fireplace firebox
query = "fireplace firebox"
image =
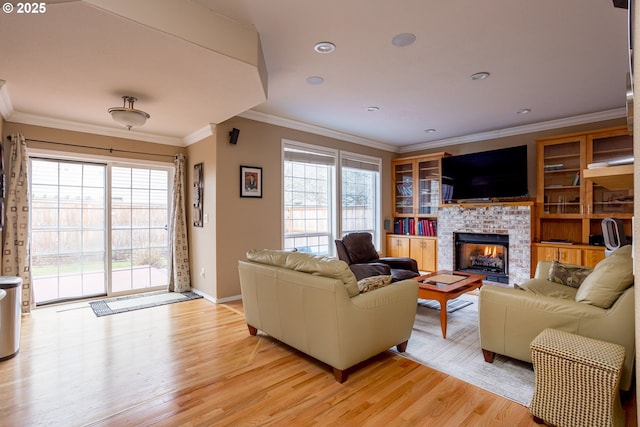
(483, 253)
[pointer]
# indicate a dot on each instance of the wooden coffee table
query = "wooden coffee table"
(443, 286)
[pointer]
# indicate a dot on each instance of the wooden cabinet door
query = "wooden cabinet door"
(570, 256)
(545, 253)
(561, 254)
(590, 257)
(397, 246)
(425, 252)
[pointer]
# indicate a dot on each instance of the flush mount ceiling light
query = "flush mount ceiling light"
(480, 76)
(128, 116)
(324, 47)
(403, 39)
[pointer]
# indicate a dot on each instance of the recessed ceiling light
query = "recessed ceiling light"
(524, 111)
(432, 130)
(373, 108)
(480, 76)
(403, 39)
(315, 80)
(324, 47)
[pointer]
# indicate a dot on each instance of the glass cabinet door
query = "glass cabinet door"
(561, 172)
(612, 150)
(429, 187)
(403, 192)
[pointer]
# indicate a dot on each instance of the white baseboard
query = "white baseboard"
(216, 300)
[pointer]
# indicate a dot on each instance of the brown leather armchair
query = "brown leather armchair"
(357, 250)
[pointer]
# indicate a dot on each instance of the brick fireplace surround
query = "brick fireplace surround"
(512, 219)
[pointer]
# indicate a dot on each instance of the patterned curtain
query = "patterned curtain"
(16, 257)
(180, 280)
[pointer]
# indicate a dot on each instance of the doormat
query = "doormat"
(452, 305)
(138, 302)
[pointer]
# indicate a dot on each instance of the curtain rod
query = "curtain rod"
(110, 150)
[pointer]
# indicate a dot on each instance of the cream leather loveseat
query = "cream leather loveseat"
(602, 307)
(314, 305)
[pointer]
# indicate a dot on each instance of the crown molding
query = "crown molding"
(314, 129)
(6, 106)
(519, 130)
(7, 112)
(37, 120)
(199, 134)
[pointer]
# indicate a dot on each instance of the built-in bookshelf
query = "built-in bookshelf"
(416, 199)
(582, 178)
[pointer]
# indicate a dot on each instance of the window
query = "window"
(360, 207)
(313, 201)
(309, 193)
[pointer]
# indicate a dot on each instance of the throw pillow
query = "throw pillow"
(609, 279)
(568, 275)
(374, 282)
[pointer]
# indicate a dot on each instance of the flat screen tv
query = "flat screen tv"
(494, 174)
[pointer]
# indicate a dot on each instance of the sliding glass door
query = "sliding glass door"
(68, 226)
(97, 229)
(139, 228)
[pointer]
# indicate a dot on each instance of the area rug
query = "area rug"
(452, 305)
(460, 356)
(138, 302)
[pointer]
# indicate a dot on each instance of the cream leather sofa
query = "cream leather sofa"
(601, 308)
(314, 305)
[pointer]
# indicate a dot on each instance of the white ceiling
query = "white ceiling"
(561, 59)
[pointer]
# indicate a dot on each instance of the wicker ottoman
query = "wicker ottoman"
(576, 380)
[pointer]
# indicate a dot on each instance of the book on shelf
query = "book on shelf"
(405, 189)
(427, 227)
(554, 167)
(576, 179)
(413, 227)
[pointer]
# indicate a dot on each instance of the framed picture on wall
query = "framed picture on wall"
(250, 181)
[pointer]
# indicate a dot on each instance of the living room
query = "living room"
(233, 224)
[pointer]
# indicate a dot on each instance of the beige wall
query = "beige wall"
(203, 249)
(146, 149)
(245, 223)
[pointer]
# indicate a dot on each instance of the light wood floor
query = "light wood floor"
(195, 364)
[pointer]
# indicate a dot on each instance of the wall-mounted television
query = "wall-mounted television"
(494, 174)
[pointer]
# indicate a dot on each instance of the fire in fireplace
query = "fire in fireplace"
(483, 253)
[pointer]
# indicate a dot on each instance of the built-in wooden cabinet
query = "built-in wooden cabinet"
(574, 195)
(592, 255)
(425, 251)
(569, 254)
(398, 246)
(416, 200)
